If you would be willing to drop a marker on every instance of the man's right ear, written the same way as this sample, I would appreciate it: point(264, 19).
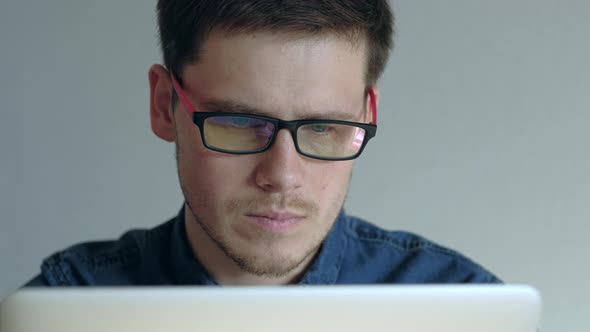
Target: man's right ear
point(161, 113)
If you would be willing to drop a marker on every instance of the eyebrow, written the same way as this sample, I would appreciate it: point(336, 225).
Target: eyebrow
point(229, 106)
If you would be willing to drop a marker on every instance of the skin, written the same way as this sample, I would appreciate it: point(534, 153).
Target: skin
point(279, 75)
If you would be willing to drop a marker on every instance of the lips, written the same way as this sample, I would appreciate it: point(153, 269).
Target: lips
point(276, 216)
point(275, 222)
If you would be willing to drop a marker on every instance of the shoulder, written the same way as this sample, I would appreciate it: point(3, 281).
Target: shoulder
point(405, 257)
point(116, 262)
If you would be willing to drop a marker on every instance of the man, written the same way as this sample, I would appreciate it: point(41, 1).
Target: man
point(267, 102)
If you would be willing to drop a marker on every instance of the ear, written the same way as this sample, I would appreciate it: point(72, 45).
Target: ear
point(161, 113)
point(369, 105)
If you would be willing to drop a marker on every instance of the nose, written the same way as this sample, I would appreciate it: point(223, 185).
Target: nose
point(281, 168)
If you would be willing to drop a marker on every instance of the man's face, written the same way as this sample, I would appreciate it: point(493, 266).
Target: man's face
point(270, 211)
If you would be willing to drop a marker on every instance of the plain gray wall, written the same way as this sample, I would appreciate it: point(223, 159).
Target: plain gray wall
point(482, 143)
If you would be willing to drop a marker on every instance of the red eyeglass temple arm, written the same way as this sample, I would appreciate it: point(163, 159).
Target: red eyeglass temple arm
point(188, 106)
point(373, 105)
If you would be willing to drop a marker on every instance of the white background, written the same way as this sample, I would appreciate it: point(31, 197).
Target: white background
point(482, 143)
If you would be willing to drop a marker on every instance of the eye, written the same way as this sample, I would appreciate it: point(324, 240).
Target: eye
point(241, 122)
point(236, 121)
point(319, 128)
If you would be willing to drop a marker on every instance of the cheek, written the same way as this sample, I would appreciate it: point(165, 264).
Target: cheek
point(215, 177)
point(202, 176)
point(334, 179)
point(201, 169)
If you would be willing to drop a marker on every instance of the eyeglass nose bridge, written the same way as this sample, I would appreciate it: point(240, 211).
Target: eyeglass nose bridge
point(290, 126)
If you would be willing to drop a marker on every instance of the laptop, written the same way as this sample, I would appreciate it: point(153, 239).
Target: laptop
point(375, 308)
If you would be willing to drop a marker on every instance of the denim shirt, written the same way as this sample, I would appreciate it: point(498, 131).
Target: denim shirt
point(354, 252)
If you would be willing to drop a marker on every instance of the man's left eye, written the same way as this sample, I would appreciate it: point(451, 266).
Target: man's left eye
point(319, 128)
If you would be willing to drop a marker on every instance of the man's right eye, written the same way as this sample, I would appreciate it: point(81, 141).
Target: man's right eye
point(240, 122)
point(235, 121)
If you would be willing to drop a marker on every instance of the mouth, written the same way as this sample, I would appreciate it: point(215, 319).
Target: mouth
point(275, 222)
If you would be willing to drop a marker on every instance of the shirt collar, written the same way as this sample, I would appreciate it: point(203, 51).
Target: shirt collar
point(187, 270)
point(326, 267)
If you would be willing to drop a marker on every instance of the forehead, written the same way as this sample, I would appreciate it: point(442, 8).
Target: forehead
point(287, 74)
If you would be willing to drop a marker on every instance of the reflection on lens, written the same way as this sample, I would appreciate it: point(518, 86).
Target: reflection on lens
point(237, 133)
point(330, 140)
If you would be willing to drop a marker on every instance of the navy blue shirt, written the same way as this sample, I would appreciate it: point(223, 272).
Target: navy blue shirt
point(354, 252)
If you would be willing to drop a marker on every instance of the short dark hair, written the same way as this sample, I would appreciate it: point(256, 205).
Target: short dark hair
point(184, 25)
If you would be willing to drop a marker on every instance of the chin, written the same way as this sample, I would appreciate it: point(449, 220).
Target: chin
point(275, 260)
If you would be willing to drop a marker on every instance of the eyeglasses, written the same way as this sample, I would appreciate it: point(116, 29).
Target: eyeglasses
point(240, 133)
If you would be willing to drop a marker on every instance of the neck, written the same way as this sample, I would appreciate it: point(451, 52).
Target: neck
point(222, 268)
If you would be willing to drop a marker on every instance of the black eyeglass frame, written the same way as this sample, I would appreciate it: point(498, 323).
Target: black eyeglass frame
point(200, 117)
